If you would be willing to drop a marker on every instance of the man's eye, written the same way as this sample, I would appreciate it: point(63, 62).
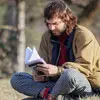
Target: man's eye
point(54, 23)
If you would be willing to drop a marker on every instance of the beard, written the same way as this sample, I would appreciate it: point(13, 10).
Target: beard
point(63, 30)
point(59, 32)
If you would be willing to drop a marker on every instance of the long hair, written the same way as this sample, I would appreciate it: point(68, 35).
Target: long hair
point(61, 9)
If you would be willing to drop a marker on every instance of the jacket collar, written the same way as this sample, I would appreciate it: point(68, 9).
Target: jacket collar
point(68, 41)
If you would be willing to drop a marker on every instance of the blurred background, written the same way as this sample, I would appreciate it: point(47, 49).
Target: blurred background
point(22, 24)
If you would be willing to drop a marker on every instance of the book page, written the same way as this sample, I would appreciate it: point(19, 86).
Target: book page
point(28, 54)
point(34, 55)
point(34, 58)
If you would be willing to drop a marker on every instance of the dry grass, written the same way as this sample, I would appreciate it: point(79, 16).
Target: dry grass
point(8, 93)
point(92, 98)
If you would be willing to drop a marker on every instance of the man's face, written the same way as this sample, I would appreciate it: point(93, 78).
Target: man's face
point(56, 26)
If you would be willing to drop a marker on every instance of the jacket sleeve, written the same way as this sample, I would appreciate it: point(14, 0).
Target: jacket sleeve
point(43, 48)
point(83, 54)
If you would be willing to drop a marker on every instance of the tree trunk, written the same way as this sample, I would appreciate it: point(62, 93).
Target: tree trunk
point(21, 27)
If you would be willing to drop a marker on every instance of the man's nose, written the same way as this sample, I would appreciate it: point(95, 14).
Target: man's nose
point(51, 27)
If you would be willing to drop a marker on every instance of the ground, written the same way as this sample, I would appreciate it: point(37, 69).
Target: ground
point(7, 92)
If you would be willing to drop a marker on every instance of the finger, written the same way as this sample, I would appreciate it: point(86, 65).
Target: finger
point(45, 71)
point(33, 73)
point(41, 69)
point(42, 65)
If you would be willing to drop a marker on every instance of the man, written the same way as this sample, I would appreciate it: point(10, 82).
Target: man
point(72, 55)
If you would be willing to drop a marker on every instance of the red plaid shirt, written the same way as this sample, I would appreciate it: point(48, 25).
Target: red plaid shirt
point(63, 50)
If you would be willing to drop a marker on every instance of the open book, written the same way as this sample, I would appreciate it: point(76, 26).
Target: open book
point(32, 57)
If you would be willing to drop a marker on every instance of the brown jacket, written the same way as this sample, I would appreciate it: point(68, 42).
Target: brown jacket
point(86, 51)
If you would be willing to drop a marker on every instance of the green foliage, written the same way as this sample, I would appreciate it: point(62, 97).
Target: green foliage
point(3, 48)
point(3, 9)
point(34, 15)
point(32, 37)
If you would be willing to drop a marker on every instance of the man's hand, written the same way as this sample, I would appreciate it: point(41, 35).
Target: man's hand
point(38, 77)
point(47, 69)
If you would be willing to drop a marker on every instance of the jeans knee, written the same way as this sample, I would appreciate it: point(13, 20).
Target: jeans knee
point(76, 78)
point(14, 80)
point(70, 73)
point(72, 76)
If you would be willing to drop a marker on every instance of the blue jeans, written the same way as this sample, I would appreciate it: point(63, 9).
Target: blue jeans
point(71, 82)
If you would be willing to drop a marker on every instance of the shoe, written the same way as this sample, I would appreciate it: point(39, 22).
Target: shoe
point(50, 97)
